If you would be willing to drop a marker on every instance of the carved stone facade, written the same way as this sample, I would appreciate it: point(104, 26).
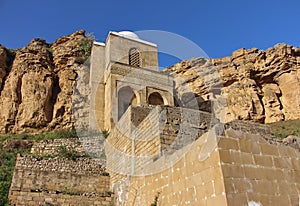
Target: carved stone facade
point(124, 72)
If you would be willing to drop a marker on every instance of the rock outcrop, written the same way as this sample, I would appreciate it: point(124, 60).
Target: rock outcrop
point(38, 87)
point(37, 92)
point(66, 59)
point(262, 86)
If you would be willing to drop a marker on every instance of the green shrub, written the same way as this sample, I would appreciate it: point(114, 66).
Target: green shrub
point(7, 164)
point(85, 45)
point(68, 153)
point(105, 133)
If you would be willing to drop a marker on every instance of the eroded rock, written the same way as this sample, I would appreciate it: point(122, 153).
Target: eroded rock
point(37, 92)
point(262, 86)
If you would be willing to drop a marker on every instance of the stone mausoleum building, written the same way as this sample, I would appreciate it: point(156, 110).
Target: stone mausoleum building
point(156, 153)
point(124, 71)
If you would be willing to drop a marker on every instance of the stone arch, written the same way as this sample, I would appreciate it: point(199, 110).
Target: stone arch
point(155, 99)
point(134, 57)
point(126, 97)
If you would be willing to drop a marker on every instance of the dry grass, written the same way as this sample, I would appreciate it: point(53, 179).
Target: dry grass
point(285, 128)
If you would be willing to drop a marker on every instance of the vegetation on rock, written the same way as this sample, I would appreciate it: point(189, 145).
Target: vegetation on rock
point(285, 128)
point(85, 45)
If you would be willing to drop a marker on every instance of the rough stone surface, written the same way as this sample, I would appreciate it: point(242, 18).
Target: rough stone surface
point(37, 92)
point(66, 59)
point(42, 179)
point(293, 141)
point(27, 91)
point(251, 84)
point(16, 144)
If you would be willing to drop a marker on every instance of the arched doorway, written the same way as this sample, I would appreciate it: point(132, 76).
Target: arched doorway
point(126, 97)
point(155, 99)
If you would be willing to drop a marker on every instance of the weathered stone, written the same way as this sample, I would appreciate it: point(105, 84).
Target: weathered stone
point(255, 85)
point(47, 73)
point(238, 53)
point(27, 90)
point(272, 104)
point(37, 92)
point(293, 141)
point(66, 50)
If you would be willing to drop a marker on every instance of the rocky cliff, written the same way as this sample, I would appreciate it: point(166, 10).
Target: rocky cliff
point(36, 87)
point(262, 86)
point(37, 84)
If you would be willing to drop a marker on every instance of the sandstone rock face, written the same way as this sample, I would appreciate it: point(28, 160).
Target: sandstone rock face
point(66, 59)
point(262, 86)
point(45, 88)
point(37, 92)
point(27, 91)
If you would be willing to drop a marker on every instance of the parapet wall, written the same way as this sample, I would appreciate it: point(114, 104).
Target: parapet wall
point(262, 130)
point(91, 144)
point(234, 169)
point(182, 178)
point(255, 170)
point(52, 147)
point(143, 134)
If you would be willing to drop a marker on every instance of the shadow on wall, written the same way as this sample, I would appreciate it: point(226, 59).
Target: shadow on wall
point(192, 101)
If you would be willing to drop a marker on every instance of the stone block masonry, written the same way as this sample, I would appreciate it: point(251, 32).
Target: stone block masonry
point(38, 180)
point(239, 165)
point(255, 170)
point(234, 170)
point(156, 130)
point(86, 144)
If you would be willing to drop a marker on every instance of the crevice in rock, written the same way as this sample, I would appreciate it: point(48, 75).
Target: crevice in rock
point(260, 98)
point(49, 105)
point(18, 90)
point(279, 95)
point(229, 82)
point(60, 112)
point(10, 57)
point(55, 91)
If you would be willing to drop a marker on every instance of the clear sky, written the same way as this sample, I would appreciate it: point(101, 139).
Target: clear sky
point(217, 26)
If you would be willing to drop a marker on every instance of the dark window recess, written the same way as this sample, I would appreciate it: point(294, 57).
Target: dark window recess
point(134, 57)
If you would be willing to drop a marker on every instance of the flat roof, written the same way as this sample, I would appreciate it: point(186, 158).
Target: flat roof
point(134, 39)
point(99, 43)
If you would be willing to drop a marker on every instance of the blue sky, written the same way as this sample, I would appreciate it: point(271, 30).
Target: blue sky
point(218, 27)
